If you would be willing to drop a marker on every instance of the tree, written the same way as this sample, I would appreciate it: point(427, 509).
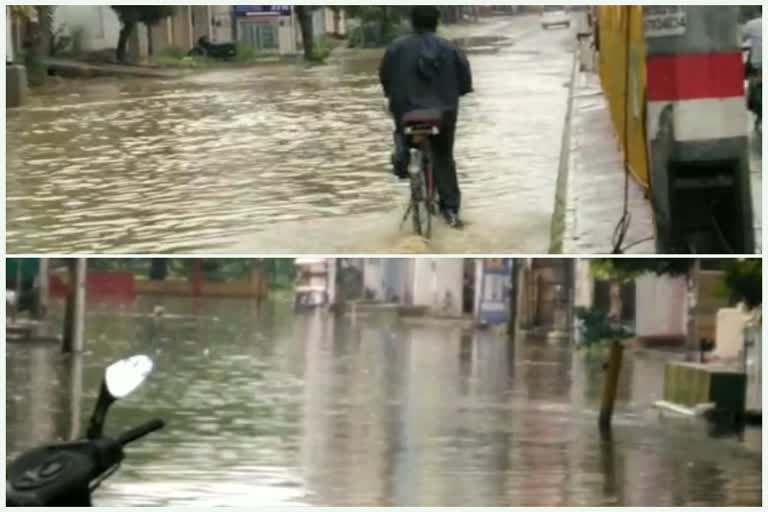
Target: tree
point(39, 35)
point(744, 280)
point(304, 16)
point(131, 15)
point(379, 24)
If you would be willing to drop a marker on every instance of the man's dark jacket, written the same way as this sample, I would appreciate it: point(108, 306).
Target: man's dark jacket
point(424, 71)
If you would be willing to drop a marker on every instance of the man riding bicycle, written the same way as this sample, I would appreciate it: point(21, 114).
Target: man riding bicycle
point(421, 71)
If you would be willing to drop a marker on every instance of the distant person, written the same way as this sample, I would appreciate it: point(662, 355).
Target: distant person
point(421, 71)
point(753, 36)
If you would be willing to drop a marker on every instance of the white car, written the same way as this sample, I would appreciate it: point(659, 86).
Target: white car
point(555, 18)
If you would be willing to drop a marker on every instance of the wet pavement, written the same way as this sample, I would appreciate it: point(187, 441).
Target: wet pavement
point(266, 407)
point(596, 181)
point(281, 159)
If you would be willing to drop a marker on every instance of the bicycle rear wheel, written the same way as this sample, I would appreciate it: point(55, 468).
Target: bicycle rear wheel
point(422, 216)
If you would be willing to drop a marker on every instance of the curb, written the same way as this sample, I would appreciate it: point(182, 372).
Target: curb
point(557, 226)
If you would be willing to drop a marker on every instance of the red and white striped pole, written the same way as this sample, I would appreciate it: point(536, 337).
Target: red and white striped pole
point(698, 129)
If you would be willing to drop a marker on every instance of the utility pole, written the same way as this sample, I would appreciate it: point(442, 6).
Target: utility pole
point(611, 385)
point(514, 291)
point(43, 290)
point(74, 322)
point(692, 343)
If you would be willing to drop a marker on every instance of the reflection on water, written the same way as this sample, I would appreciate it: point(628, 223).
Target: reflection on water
point(267, 407)
point(221, 160)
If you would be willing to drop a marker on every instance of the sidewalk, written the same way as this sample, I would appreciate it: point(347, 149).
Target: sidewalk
point(594, 188)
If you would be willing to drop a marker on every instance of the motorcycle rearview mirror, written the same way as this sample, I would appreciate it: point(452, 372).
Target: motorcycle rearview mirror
point(120, 380)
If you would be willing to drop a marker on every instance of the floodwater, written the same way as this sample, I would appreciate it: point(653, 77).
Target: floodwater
point(281, 159)
point(267, 407)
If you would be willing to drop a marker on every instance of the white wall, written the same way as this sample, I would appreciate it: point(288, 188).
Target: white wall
point(222, 24)
point(318, 21)
point(729, 337)
point(438, 284)
point(373, 278)
point(662, 306)
point(8, 36)
point(584, 287)
point(99, 22)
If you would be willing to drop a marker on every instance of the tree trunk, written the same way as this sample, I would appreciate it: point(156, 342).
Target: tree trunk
point(122, 42)
point(304, 15)
point(150, 42)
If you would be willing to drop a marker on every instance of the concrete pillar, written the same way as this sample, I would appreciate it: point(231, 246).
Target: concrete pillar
point(698, 129)
point(17, 87)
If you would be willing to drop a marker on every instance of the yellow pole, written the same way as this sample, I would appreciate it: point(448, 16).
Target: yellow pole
point(611, 384)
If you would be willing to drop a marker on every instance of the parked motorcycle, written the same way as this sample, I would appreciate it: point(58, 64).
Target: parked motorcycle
point(219, 51)
point(67, 474)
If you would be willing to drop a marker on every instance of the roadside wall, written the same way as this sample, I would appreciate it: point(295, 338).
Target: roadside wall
point(99, 24)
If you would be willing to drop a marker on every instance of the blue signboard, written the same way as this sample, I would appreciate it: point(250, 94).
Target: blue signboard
point(262, 10)
point(495, 275)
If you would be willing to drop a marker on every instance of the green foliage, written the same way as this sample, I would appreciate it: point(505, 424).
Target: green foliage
point(280, 271)
point(379, 24)
point(749, 12)
point(172, 52)
point(597, 327)
point(744, 280)
point(247, 53)
point(186, 62)
point(628, 269)
point(324, 46)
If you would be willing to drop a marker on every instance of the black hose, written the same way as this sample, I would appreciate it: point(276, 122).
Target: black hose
point(622, 227)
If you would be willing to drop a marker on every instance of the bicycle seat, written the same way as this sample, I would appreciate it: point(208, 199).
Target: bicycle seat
point(423, 118)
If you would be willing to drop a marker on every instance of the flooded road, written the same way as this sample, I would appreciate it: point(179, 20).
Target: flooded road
point(265, 407)
point(281, 159)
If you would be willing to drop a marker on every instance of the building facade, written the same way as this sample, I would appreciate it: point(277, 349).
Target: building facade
point(445, 287)
point(266, 28)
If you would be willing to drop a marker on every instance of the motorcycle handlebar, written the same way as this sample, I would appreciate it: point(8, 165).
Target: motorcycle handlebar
point(143, 430)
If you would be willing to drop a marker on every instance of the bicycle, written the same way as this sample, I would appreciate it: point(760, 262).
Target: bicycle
point(419, 127)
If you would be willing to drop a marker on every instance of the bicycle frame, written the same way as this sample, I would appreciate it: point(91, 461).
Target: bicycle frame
point(421, 174)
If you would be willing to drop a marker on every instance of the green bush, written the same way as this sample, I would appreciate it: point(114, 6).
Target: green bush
point(744, 281)
point(172, 52)
point(374, 35)
point(185, 62)
point(247, 53)
point(323, 48)
point(597, 327)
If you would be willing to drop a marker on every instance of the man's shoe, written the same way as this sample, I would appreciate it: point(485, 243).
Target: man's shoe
point(453, 220)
